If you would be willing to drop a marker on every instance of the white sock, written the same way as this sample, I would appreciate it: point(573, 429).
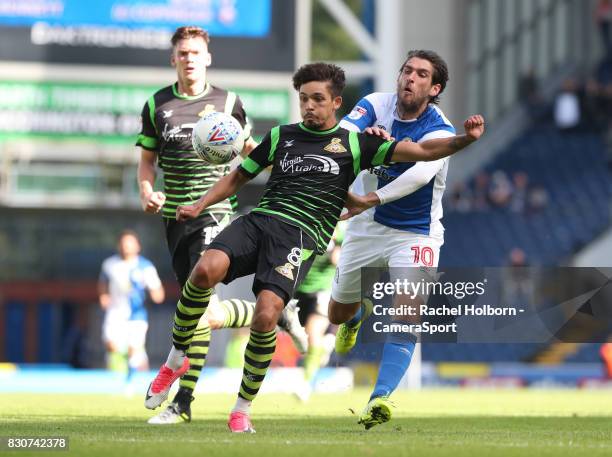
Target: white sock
point(175, 359)
point(242, 405)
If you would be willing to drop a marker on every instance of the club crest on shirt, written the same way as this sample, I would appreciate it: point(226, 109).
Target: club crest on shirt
point(207, 109)
point(285, 270)
point(335, 147)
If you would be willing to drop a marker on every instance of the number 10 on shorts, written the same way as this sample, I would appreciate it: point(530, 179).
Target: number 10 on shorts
point(423, 254)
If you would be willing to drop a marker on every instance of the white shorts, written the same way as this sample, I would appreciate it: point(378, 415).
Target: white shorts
point(370, 244)
point(124, 334)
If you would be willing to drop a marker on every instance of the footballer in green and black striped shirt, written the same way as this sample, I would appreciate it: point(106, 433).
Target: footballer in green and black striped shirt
point(168, 118)
point(313, 164)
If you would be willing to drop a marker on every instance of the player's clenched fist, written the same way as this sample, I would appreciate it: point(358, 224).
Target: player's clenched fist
point(153, 202)
point(184, 213)
point(474, 126)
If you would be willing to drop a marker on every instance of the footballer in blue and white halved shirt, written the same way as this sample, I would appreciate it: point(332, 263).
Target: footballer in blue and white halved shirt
point(402, 228)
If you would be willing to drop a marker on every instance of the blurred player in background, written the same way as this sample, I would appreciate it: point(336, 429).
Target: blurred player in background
point(404, 230)
point(168, 118)
point(126, 279)
point(313, 164)
point(312, 298)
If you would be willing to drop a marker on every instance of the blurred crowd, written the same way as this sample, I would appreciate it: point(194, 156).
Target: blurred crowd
point(498, 190)
point(582, 105)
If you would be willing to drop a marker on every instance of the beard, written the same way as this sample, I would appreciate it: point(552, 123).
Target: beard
point(414, 105)
point(313, 123)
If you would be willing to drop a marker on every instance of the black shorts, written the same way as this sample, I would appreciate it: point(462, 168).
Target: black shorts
point(307, 304)
point(279, 253)
point(310, 303)
point(187, 240)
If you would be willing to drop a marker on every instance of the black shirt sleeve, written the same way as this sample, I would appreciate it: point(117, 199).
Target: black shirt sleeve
point(259, 158)
point(148, 132)
point(374, 151)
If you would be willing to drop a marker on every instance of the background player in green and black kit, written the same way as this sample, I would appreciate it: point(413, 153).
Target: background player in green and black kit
point(313, 164)
point(312, 297)
point(167, 121)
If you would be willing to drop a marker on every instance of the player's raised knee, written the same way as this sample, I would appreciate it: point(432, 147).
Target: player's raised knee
point(210, 269)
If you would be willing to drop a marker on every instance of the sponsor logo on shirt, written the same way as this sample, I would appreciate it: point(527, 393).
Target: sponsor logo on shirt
point(176, 133)
point(382, 173)
point(309, 162)
point(357, 113)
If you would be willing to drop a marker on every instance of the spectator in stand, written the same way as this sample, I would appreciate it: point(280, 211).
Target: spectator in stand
point(529, 93)
point(517, 258)
point(460, 199)
point(567, 112)
point(500, 190)
point(520, 192)
point(538, 199)
point(481, 192)
point(518, 284)
point(603, 17)
point(595, 109)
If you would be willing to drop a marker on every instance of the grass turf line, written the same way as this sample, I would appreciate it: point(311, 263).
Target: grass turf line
point(431, 422)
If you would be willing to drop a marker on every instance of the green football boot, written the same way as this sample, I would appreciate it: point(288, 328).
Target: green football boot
point(346, 336)
point(377, 411)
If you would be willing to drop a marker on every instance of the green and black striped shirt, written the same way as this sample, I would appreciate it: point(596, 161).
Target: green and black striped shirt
point(311, 173)
point(167, 121)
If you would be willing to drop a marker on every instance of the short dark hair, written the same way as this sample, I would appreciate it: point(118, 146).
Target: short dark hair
point(128, 232)
point(189, 31)
point(320, 71)
point(440, 69)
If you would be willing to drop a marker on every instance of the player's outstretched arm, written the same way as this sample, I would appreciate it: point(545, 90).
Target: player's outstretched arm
point(249, 145)
point(442, 147)
point(224, 188)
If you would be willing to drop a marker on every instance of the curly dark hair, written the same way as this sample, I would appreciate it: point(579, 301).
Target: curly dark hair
point(440, 69)
point(189, 31)
point(321, 71)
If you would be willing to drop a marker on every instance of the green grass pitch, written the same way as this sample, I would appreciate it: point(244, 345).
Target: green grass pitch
point(448, 422)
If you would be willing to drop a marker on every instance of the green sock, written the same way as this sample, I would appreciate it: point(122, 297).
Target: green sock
point(257, 357)
point(117, 362)
point(312, 361)
point(238, 313)
point(197, 352)
point(189, 310)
